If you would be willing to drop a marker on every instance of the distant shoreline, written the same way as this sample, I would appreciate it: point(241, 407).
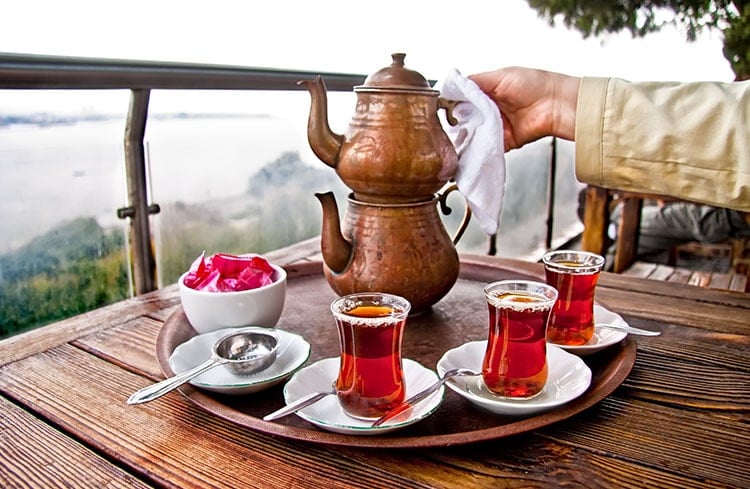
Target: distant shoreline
point(46, 119)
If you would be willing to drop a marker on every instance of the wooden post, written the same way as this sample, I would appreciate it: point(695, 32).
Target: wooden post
point(595, 220)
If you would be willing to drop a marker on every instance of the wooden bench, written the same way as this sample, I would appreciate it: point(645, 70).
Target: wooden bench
point(700, 278)
point(598, 205)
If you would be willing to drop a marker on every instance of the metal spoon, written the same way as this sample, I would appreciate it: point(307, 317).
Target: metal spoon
point(300, 403)
point(245, 352)
point(422, 395)
point(629, 329)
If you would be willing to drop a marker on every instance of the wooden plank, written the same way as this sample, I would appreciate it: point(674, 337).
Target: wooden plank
point(546, 461)
point(680, 276)
point(720, 280)
point(648, 304)
point(738, 282)
point(662, 272)
point(164, 440)
point(534, 269)
point(672, 291)
point(34, 454)
point(717, 363)
point(668, 436)
point(134, 341)
point(640, 269)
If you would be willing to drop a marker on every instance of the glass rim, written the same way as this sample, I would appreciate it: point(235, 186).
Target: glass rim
point(592, 263)
point(541, 288)
point(401, 304)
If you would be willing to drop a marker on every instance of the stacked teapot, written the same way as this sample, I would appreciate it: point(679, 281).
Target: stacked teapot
point(395, 157)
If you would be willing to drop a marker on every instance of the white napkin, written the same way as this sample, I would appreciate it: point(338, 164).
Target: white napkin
point(478, 138)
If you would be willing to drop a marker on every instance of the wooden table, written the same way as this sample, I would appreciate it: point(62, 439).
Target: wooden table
point(680, 419)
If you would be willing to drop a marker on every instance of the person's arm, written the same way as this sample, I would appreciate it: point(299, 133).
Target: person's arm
point(687, 140)
point(533, 103)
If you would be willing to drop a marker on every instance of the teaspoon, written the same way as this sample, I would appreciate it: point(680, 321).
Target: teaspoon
point(300, 403)
point(245, 352)
point(629, 329)
point(422, 395)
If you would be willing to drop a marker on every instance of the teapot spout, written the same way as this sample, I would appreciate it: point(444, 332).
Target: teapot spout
point(336, 250)
point(325, 143)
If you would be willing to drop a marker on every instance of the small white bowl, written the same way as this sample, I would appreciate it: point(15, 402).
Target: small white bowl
point(209, 311)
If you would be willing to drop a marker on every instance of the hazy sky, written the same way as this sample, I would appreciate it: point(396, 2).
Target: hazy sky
point(346, 36)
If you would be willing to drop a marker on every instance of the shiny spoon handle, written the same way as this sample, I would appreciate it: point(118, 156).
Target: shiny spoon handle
point(629, 329)
point(421, 395)
point(160, 388)
point(300, 403)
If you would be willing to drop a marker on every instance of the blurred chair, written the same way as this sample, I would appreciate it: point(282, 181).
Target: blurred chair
point(599, 203)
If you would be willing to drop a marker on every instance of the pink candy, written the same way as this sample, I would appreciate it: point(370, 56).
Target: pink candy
point(229, 273)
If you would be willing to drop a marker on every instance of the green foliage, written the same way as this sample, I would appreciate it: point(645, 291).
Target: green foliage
point(75, 267)
point(737, 44)
point(641, 17)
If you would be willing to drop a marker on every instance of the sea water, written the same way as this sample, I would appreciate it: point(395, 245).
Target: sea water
point(58, 172)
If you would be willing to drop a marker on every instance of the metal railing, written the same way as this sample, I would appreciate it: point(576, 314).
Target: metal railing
point(140, 77)
point(20, 71)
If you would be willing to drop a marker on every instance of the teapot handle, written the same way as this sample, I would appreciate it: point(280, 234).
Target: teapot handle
point(443, 199)
point(448, 105)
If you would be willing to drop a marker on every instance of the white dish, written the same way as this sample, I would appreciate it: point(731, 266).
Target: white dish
point(327, 412)
point(603, 337)
point(568, 378)
point(293, 352)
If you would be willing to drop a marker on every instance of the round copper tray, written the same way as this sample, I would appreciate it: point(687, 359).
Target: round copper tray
point(459, 317)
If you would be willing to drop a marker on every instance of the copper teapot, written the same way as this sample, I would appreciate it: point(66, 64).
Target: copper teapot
point(395, 149)
point(400, 248)
point(395, 157)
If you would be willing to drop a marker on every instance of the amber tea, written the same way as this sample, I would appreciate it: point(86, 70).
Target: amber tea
point(515, 361)
point(371, 379)
point(574, 274)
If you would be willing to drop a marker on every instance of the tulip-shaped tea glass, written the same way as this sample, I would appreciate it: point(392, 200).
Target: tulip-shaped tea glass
point(574, 274)
point(371, 378)
point(515, 361)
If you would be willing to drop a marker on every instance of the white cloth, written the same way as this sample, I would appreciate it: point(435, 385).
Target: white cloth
point(478, 138)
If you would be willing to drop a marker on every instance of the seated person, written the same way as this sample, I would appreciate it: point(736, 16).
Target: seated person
point(665, 225)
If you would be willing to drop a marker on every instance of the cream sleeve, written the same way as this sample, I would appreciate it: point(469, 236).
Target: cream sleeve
point(687, 140)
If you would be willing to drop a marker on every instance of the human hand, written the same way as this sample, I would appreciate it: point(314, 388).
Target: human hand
point(533, 103)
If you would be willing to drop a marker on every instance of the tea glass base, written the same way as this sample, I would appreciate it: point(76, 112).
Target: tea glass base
point(577, 342)
point(500, 397)
point(362, 418)
point(577, 338)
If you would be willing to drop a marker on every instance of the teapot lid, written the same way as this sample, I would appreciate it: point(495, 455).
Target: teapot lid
point(396, 77)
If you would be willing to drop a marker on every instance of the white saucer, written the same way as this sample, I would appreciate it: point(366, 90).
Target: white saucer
point(327, 412)
point(568, 378)
point(603, 337)
point(293, 352)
